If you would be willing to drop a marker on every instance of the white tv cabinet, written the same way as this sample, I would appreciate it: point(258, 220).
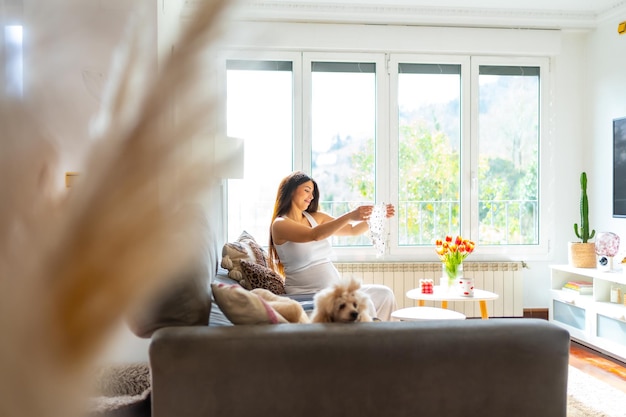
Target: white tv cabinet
point(591, 319)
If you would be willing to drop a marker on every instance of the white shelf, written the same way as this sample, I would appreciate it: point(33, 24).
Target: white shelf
point(573, 298)
point(616, 275)
point(592, 319)
point(614, 310)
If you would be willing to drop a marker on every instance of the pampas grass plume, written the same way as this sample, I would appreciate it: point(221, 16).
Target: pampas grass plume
point(71, 266)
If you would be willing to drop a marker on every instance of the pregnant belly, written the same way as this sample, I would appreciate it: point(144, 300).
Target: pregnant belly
point(312, 279)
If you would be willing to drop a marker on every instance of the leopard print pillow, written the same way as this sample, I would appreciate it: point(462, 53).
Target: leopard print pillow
point(258, 276)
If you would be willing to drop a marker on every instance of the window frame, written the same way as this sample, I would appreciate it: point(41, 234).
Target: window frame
point(387, 128)
point(354, 253)
point(427, 252)
point(260, 55)
point(545, 186)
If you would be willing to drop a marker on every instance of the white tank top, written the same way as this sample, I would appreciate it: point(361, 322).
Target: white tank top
point(307, 265)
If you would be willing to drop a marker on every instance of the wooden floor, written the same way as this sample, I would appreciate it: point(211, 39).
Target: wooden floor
point(600, 366)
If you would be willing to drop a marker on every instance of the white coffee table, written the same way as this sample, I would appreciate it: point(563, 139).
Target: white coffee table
point(443, 295)
point(426, 313)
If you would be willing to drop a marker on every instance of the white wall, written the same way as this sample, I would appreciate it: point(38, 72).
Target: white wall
point(606, 100)
point(590, 83)
point(68, 46)
point(569, 73)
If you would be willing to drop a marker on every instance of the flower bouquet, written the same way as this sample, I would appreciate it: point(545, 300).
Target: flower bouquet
point(452, 252)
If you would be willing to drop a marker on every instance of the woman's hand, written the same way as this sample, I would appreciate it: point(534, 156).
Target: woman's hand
point(391, 210)
point(365, 212)
point(361, 213)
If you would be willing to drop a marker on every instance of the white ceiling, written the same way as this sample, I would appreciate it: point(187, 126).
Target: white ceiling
point(550, 14)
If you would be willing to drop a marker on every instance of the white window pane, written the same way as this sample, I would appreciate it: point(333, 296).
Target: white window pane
point(343, 138)
point(428, 152)
point(259, 110)
point(508, 181)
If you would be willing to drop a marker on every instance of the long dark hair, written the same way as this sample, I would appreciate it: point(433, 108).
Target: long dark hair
point(287, 187)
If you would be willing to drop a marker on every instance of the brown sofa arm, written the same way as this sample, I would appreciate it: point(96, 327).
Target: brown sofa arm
point(498, 367)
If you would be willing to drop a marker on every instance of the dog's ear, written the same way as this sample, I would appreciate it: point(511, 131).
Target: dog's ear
point(324, 306)
point(338, 291)
point(328, 303)
point(354, 285)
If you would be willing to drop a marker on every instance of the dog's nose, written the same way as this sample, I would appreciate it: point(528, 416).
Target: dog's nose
point(354, 315)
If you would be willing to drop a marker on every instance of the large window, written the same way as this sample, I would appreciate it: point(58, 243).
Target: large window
point(260, 110)
point(453, 141)
point(429, 152)
point(343, 137)
point(508, 155)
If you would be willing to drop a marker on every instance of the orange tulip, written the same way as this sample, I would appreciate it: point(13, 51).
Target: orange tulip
point(452, 251)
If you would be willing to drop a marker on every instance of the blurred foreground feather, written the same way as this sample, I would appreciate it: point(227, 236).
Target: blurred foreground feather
point(70, 269)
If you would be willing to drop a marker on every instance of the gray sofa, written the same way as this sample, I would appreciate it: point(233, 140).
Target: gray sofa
point(487, 368)
point(201, 367)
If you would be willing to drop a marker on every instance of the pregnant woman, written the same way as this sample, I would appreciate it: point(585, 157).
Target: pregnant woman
point(300, 249)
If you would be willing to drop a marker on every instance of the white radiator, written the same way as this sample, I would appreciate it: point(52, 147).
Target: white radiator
point(502, 278)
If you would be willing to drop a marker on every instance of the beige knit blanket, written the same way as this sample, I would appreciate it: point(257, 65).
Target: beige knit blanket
point(120, 385)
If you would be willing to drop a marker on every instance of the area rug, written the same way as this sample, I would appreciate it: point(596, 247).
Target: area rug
point(122, 391)
point(589, 397)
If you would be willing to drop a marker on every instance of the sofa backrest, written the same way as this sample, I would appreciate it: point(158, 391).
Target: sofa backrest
point(186, 300)
point(455, 368)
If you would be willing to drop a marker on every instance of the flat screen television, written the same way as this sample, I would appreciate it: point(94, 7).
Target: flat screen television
point(619, 167)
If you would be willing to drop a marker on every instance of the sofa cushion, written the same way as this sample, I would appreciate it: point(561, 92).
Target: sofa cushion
point(185, 301)
point(218, 318)
point(244, 307)
point(259, 276)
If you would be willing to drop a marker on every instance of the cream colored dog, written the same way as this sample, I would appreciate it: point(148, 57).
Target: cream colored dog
point(344, 302)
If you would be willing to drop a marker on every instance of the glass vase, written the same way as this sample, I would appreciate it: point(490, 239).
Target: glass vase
point(450, 276)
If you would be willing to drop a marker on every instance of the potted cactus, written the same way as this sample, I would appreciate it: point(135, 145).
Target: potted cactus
point(582, 254)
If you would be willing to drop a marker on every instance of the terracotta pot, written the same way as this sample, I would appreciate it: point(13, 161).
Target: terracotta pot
point(582, 255)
